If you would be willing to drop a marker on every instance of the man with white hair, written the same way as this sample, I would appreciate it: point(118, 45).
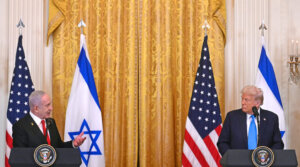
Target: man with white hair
point(38, 128)
point(240, 126)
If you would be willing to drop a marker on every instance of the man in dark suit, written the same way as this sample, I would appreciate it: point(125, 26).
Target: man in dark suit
point(235, 132)
point(38, 128)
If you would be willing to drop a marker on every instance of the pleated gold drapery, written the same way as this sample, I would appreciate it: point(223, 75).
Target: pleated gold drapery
point(144, 56)
point(171, 40)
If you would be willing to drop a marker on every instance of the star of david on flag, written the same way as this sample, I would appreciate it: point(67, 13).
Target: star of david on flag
point(84, 113)
point(93, 136)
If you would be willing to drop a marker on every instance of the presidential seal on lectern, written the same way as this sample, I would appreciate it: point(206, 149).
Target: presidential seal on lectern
point(44, 155)
point(262, 156)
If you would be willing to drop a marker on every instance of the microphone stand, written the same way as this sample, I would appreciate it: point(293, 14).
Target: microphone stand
point(256, 114)
point(258, 127)
point(48, 123)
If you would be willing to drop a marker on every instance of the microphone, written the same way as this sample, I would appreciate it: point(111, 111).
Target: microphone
point(256, 114)
point(48, 122)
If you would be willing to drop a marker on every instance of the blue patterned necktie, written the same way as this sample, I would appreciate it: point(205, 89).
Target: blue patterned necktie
point(252, 135)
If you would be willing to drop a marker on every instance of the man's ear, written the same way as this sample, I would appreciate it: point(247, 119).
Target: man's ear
point(257, 104)
point(35, 108)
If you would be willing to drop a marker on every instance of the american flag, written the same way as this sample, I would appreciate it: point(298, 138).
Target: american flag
point(20, 89)
point(204, 123)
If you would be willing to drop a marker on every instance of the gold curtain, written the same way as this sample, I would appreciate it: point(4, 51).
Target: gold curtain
point(144, 56)
point(171, 41)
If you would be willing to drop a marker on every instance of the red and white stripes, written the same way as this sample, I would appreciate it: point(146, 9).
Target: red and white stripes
point(198, 151)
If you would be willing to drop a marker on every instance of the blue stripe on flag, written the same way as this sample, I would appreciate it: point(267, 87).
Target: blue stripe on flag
point(282, 133)
point(87, 73)
point(266, 69)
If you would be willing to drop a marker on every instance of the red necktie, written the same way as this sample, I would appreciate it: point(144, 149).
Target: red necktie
point(44, 131)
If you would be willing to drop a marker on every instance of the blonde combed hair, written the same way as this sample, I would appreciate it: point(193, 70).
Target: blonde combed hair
point(254, 91)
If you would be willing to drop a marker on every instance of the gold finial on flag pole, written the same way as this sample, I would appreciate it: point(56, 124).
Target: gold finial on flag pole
point(262, 27)
point(81, 25)
point(205, 27)
point(20, 25)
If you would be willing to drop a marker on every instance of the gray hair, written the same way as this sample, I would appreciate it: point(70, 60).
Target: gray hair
point(254, 91)
point(35, 98)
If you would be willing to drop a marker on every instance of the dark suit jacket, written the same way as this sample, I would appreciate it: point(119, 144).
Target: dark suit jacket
point(26, 133)
point(234, 132)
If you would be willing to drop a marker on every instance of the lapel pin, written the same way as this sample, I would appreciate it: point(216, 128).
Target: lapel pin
point(32, 124)
point(265, 119)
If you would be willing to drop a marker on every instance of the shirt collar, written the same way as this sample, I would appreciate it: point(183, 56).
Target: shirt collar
point(36, 119)
point(249, 116)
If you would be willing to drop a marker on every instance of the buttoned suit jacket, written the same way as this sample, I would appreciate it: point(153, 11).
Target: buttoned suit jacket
point(26, 133)
point(234, 131)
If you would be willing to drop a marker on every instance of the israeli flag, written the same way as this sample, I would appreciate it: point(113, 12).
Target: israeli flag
point(266, 80)
point(84, 113)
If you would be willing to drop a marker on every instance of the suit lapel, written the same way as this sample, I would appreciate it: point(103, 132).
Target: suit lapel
point(35, 129)
point(243, 126)
point(262, 124)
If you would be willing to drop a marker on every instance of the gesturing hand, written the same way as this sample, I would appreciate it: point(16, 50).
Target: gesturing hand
point(79, 140)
